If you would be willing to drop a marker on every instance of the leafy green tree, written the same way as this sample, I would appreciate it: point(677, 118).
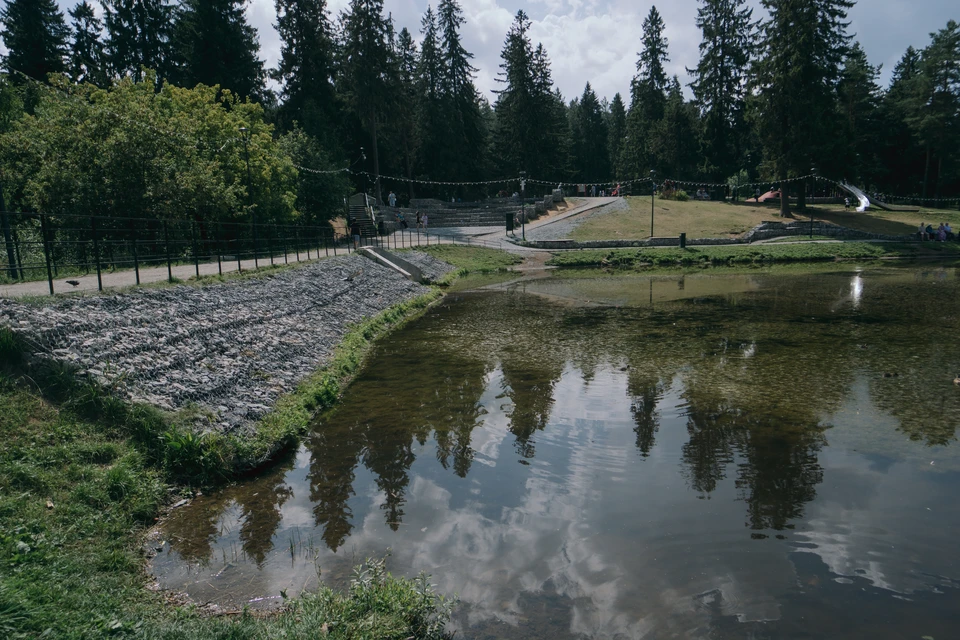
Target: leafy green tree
point(803, 43)
point(320, 187)
point(87, 57)
point(647, 96)
point(35, 35)
point(214, 45)
point(134, 150)
point(306, 70)
point(365, 67)
point(138, 36)
point(719, 85)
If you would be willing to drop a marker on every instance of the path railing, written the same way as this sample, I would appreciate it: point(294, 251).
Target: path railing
point(36, 247)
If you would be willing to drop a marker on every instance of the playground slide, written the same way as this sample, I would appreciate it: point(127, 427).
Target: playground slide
point(860, 195)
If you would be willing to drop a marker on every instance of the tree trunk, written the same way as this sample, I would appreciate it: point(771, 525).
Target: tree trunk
point(376, 159)
point(926, 172)
point(8, 239)
point(784, 200)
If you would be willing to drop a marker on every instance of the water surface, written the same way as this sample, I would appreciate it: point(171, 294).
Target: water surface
point(768, 454)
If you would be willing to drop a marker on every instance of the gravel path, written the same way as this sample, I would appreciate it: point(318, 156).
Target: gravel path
point(561, 229)
point(231, 348)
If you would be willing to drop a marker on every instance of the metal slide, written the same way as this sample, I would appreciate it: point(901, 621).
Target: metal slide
point(860, 195)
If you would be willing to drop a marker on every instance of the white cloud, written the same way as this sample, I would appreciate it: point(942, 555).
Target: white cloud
point(598, 40)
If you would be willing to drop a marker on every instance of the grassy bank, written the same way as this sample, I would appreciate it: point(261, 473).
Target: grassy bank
point(750, 254)
point(469, 259)
point(82, 475)
point(713, 219)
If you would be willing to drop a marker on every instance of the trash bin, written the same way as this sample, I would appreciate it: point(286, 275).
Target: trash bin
point(683, 241)
point(509, 219)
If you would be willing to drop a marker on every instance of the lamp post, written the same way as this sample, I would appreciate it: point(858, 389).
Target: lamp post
point(653, 190)
point(523, 212)
point(245, 134)
point(813, 173)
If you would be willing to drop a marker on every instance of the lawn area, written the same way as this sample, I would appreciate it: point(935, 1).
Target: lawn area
point(713, 219)
point(752, 254)
point(82, 477)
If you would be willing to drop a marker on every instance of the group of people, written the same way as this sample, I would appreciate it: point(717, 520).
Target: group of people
point(943, 233)
point(702, 194)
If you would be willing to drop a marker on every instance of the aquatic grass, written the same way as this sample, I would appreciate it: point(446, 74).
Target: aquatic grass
point(751, 254)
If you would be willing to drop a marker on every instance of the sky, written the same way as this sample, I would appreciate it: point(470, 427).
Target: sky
point(597, 41)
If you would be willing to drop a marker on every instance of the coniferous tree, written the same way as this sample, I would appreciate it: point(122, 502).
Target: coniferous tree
point(934, 115)
point(305, 71)
point(647, 96)
point(719, 85)
point(616, 131)
point(365, 68)
point(592, 158)
point(431, 108)
point(35, 35)
point(87, 58)
point(138, 36)
point(465, 133)
point(674, 146)
point(902, 157)
point(214, 45)
point(803, 43)
point(406, 112)
point(860, 133)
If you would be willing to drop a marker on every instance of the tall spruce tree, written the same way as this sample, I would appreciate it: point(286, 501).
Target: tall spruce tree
point(407, 104)
point(35, 35)
point(719, 85)
point(860, 132)
point(87, 57)
point(592, 157)
point(674, 146)
point(647, 96)
point(934, 116)
point(214, 45)
point(138, 36)
point(366, 67)
point(902, 157)
point(306, 70)
point(465, 132)
point(803, 43)
point(431, 108)
point(616, 131)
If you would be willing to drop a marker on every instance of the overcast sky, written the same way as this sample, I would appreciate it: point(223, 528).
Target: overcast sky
point(598, 40)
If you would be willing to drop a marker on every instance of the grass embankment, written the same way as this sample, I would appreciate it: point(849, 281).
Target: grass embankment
point(751, 254)
point(83, 474)
point(469, 259)
point(714, 219)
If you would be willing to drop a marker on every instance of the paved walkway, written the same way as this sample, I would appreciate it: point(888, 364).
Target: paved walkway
point(483, 236)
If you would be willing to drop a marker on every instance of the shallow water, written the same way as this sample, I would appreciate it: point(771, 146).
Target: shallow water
point(768, 454)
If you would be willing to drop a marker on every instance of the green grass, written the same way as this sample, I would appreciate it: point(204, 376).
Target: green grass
point(714, 219)
point(82, 475)
point(750, 254)
point(469, 259)
point(815, 237)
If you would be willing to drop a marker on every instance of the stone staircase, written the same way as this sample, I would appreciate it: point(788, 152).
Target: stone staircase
point(358, 212)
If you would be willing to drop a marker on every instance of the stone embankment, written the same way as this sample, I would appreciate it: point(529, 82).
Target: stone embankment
point(232, 349)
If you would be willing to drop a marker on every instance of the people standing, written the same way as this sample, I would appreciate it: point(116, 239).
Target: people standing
point(392, 199)
point(419, 219)
point(424, 220)
point(922, 232)
point(355, 232)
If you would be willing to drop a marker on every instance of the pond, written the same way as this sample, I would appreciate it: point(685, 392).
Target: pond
point(763, 454)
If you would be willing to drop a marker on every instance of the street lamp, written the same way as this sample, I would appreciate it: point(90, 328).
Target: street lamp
point(523, 212)
point(653, 190)
point(245, 134)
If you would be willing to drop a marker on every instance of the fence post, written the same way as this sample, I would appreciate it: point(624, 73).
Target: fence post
point(96, 250)
point(46, 249)
point(270, 242)
point(333, 241)
point(220, 248)
point(166, 244)
point(297, 240)
point(193, 243)
point(8, 242)
point(136, 257)
point(239, 268)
